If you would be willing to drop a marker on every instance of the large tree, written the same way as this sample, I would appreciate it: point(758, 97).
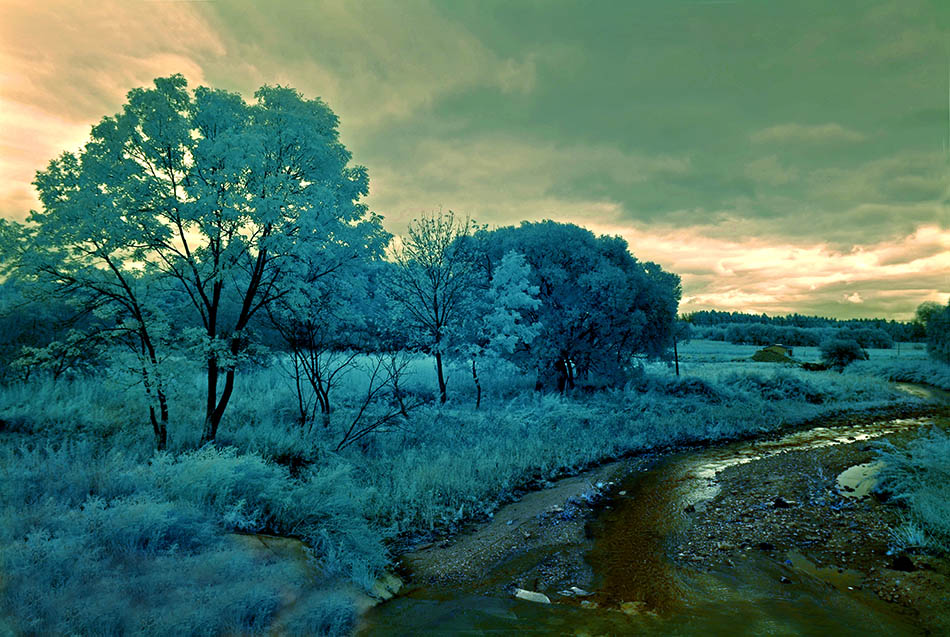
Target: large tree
point(232, 202)
point(600, 306)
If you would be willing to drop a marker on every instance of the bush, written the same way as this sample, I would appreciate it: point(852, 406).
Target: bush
point(919, 476)
point(841, 351)
point(938, 335)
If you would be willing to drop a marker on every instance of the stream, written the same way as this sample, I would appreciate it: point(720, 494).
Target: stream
point(639, 590)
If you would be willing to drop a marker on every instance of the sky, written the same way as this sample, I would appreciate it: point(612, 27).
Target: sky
point(779, 156)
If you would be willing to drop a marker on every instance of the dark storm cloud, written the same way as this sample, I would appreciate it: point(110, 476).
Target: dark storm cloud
point(760, 127)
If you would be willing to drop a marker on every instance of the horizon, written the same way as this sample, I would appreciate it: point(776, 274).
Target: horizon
point(781, 159)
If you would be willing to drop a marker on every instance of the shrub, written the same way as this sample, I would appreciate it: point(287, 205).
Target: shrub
point(841, 351)
point(919, 476)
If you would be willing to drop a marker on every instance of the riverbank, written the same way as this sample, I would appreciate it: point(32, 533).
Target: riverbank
point(792, 510)
point(545, 541)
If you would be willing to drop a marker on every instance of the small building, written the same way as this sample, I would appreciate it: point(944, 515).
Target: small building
point(778, 348)
point(774, 354)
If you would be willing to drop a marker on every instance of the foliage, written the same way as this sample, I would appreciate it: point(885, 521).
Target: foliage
point(93, 518)
point(234, 205)
point(495, 324)
point(919, 476)
point(101, 542)
point(927, 372)
point(936, 321)
point(600, 306)
point(715, 321)
point(841, 351)
point(754, 333)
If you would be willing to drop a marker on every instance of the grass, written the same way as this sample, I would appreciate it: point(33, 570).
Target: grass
point(91, 514)
point(918, 476)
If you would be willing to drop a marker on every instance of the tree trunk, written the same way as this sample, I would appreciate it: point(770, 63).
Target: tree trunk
point(159, 425)
point(478, 386)
point(210, 427)
point(211, 423)
point(676, 356)
point(561, 368)
point(438, 368)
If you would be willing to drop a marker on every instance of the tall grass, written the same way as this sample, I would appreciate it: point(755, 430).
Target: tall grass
point(919, 476)
point(925, 371)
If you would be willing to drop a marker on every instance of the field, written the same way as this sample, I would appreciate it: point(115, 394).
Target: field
point(101, 534)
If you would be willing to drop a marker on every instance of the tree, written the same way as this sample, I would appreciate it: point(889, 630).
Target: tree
point(325, 328)
point(840, 351)
point(495, 322)
point(229, 201)
point(599, 305)
point(935, 320)
point(435, 271)
point(682, 333)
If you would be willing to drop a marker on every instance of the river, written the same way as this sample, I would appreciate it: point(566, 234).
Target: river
point(639, 588)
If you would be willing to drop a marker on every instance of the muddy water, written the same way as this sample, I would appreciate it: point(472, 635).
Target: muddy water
point(641, 591)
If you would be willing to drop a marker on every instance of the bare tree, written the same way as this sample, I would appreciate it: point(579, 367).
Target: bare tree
point(435, 270)
point(384, 371)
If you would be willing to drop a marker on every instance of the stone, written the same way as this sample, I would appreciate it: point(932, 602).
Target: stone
point(632, 608)
point(532, 596)
point(386, 586)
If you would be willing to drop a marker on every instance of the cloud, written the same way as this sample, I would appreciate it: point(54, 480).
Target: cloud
point(754, 275)
point(761, 193)
point(502, 180)
point(374, 63)
point(68, 64)
point(806, 134)
point(769, 171)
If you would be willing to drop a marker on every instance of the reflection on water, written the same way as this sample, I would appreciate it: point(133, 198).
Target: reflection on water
point(755, 596)
point(857, 481)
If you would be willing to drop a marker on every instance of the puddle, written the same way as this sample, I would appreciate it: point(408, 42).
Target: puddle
point(842, 579)
point(857, 481)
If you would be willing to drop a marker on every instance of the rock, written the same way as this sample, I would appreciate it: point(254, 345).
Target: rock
point(588, 604)
point(532, 596)
point(621, 493)
point(632, 608)
point(580, 592)
point(386, 586)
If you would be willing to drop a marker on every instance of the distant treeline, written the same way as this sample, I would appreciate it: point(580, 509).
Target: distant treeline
point(798, 329)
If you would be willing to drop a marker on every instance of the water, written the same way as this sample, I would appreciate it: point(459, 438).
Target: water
point(640, 591)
